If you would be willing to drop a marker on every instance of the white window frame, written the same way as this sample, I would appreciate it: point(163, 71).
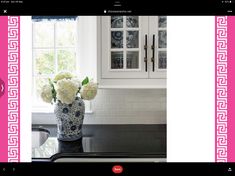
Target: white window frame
point(47, 110)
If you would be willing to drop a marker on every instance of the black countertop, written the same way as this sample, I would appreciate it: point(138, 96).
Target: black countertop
point(120, 141)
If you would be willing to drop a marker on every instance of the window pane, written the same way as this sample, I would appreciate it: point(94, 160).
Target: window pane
point(132, 61)
point(43, 34)
point(66, 60)
point(117, 60)
point(116, 39)
point(39, 83)
point(162, 60)
point(116, 21)
point(162, 39)
point(44, 61)
point(65, 33)
point(132, 21)
point(132, 39)
point(162, 21)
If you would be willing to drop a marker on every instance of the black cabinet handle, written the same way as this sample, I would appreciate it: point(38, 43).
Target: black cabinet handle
point(153, 50)
point(146, 53)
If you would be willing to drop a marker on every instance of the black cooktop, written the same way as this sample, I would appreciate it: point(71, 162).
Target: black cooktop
point(129, 141)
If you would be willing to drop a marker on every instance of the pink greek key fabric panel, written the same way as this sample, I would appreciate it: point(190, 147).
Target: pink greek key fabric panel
point(4, 88)
point(221, 98)
point(13, 89)
point(231, 89)
point(9, 89)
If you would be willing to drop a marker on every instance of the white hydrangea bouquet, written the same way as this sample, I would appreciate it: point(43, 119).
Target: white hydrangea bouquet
point(65, 87)
point(67, 92)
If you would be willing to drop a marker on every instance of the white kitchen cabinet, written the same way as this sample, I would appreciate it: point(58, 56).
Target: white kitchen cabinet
point(132, 51)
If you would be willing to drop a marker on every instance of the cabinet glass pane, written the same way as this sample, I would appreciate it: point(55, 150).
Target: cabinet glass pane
point(132, 39)
point(162, 60)
point(116, 39)
point(132, 61)
point(162, 39)
point(116, 21)
point(116, 60)
point(132, 21)
point(162, 22)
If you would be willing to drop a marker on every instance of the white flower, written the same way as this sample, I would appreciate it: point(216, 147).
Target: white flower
point(62, 75)
point(77, 82)
point(89, 91)
point(46, 93)
point(66, 90)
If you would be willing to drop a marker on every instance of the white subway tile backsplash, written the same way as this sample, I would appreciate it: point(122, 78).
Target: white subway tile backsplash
point(132, 104)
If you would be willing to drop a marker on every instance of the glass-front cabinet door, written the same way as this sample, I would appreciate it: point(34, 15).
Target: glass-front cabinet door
point(123, 46)
point(134, 47)
point(158, 52)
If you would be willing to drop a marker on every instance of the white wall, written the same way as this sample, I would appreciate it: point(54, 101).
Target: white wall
point(87, 47)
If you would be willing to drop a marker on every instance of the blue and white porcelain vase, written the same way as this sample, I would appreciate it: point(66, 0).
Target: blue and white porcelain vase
point(69, 119)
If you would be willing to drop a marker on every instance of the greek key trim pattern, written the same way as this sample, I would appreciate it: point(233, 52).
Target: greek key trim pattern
point(221, 89)
point(13, 89)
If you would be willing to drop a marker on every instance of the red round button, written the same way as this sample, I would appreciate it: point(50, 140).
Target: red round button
point(117, 169)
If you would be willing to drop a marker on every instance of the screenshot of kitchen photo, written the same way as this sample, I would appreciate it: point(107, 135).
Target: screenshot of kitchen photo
point(99, 88)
